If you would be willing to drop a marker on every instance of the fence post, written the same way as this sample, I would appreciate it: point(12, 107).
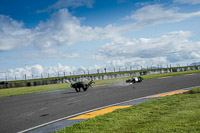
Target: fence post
point(170, 68)
point(88, 71)
point(25, 76)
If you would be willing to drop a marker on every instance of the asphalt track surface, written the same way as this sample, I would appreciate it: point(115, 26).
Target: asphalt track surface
point(19, 113)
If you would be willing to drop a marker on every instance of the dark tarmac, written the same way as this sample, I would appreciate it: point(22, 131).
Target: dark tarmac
point(19, 113)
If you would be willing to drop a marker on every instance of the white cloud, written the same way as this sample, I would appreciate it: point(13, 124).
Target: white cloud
point(65, 29)
point(156, 14)
point(67, 4)
point(12, 34)
point(135, 63)
point(52, 71)
point(20, 73)
point(36, 71)
point(61, 29)
point(46, 53)
point(173, 47)
point(52, 53)
point(187, 1)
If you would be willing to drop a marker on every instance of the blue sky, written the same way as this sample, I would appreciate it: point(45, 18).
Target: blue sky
point(52, 36)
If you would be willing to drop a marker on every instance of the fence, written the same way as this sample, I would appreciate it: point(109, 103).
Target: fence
point(28, 76)
point(96, 76)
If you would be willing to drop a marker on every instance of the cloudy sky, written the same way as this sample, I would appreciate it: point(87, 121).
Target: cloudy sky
point(52, 36)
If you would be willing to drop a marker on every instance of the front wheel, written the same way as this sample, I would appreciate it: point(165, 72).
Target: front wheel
point(85, 89)
point(140, 79)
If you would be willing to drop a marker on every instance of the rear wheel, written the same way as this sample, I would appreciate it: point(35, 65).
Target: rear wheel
point(77, 89)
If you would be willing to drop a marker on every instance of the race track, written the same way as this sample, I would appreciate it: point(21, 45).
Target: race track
point(18, 113)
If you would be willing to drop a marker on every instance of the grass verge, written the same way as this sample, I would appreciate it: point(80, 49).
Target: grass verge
point(42, 88)
point(177, 113)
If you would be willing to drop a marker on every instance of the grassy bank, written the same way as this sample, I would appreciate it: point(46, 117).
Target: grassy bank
point(178, 113)
point(42, 88)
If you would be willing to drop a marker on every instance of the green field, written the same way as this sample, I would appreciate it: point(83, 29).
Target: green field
point(170, 114)
point(43, 88)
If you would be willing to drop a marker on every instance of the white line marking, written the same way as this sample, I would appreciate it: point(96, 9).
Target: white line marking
point(95, 110)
